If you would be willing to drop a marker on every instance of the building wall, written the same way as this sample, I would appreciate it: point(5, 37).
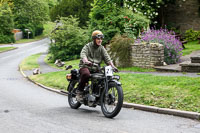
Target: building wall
point(184, 14)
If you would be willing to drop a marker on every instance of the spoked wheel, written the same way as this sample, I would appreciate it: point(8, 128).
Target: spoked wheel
point(111, 102)
point(74, 104)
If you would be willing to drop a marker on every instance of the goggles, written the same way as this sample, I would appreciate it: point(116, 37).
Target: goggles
point(99, 36)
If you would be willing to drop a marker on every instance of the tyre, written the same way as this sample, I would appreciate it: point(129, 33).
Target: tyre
point(73, 103)
point(111, 103)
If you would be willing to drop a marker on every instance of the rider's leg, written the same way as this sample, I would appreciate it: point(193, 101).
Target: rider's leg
point(84, 77)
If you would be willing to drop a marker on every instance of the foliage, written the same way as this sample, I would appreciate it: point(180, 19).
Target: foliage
point(149, 8)
point(51, 3)
point(9, 2)
point(69, 39)
point(28, 14)
point(111, 19)
point(78, 8)
point(172, 46)
point(191, 35)
point(7, 24)
point(120, 50)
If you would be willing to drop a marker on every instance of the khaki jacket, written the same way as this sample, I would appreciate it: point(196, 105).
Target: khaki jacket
point(95, 54)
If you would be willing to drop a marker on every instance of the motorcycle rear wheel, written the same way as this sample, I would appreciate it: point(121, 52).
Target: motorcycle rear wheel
point(111, 103)
point(73, 103)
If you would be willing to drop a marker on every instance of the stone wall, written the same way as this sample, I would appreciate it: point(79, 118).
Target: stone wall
point(184, 14)
point(147, 55)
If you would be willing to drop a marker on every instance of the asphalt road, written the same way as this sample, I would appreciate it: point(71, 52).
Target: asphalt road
point(28, 108)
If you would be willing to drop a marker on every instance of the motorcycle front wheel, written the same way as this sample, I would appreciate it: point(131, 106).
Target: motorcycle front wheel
point(73, 103)
point(112, 101)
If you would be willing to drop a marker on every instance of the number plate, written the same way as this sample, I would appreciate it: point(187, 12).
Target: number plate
point(108, 71)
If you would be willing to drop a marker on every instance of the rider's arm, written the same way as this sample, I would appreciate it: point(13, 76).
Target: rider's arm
point(84, 53)
point(108, 60)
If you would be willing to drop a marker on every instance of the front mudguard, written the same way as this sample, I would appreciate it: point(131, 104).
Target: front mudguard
point(115, 81)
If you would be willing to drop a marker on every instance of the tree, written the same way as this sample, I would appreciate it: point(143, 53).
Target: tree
point(30, 14)
point(78, 8)
point(7, 24)
point(69, 39)
point(111, 17)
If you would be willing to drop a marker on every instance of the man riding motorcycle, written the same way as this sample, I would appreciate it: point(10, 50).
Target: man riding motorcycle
point(92, 52)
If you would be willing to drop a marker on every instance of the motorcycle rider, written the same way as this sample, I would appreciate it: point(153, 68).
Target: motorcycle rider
point(93, 52)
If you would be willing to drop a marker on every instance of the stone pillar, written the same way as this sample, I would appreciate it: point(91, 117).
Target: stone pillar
point(147, 55)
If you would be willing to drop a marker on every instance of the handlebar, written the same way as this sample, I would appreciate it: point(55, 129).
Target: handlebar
point(98, 67)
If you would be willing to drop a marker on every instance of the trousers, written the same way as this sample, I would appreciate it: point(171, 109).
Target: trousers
point(84, 78)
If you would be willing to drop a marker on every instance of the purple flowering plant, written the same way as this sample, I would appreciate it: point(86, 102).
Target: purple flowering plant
point(172, 46)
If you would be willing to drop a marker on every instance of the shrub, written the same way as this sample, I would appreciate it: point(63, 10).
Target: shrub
point(69, 39)
point(120, 50)
point(112, 19)
point(6, 24)
point(191, 35)
point(31, 29)
point(79, 8)
point(39, 29)
point(30, 14)
point(172, 46)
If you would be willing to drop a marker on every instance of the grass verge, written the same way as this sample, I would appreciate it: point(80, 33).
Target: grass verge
point(75, 64)
point(181, 93)
point(190, 47)
point(30, 62)
point(4, 49)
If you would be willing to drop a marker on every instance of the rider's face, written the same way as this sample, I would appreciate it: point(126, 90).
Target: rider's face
point(98, 41)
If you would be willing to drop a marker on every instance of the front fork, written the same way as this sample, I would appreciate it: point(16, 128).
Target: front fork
point(106, 86)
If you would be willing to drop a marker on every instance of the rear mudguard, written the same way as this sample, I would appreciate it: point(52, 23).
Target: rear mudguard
point(71, 84)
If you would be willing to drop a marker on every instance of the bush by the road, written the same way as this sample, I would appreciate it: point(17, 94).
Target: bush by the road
point(67, 39)
point(30, 14)
point(6, 24)
point(112, 19)
point(78, 8)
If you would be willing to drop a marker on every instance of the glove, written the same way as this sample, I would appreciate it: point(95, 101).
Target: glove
point(115, 69)
point(88, 63)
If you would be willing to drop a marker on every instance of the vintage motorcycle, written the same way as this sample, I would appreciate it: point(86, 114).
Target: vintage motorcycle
point(103, 89)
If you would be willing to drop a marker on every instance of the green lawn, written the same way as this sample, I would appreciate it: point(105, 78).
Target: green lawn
point(75, 63)
point(181, 93)
point(3, 49)
point(190, 47)
point(30, 62)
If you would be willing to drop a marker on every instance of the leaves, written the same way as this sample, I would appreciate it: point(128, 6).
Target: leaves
point(69, 39)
